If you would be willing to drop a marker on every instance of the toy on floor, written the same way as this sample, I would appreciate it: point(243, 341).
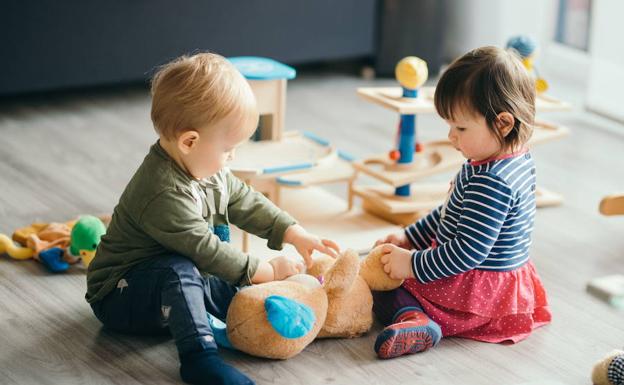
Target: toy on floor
point(279, 319)
point(610, 288)
point(526, 48)
point(609, 370)
point(56, 245)
point(275, 159)
point(612, 205)
point(16, 252)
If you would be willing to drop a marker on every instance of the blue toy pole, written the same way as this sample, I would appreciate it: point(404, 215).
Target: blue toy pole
point(407, 140)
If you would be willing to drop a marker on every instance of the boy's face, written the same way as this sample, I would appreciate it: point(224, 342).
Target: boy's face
point(216, 146)
point(470, 134)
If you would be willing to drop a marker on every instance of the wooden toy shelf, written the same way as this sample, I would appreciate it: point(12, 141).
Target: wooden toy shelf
point(436, 157)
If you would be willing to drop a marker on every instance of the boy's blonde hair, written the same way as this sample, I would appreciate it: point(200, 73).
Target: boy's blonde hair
point(488, 81)
point(193, 92)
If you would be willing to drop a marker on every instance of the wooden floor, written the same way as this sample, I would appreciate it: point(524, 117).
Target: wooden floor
point(69, 154)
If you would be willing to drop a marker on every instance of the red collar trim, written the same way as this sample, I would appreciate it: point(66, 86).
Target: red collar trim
point(506, 156)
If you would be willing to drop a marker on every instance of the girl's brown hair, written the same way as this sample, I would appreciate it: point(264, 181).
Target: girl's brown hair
point(488, 81)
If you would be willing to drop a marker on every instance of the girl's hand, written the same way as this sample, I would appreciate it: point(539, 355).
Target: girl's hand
point(284, 268)
point(398, 239)
point(306, 243)
point(397, 262)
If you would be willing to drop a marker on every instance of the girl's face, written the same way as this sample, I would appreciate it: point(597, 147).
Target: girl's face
point(470, 134)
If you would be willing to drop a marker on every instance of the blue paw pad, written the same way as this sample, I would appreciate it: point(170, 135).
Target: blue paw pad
point(288, 317)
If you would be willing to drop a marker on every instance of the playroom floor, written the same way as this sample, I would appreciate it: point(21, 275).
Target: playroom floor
point(67, 154)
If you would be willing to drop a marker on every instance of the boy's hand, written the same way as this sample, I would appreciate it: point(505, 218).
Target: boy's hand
point(306, 243)
point(284, 268)
point(399, 239)
point(397, 262)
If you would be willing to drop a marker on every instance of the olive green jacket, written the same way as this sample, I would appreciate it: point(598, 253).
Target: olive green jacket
point(165, 211)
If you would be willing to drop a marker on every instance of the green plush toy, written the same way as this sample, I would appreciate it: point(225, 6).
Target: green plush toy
point(85, 237)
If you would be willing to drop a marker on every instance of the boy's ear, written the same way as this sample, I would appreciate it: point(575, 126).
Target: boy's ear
point(504, 123)
point(187, 141)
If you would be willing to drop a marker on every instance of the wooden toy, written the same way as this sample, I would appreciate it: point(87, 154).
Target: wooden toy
point(276, 159)
point(412, 161)
point(610, 369)
point(612, 205)
point(609, 289)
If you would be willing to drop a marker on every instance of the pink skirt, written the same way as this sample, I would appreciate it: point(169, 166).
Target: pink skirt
point(485, 305)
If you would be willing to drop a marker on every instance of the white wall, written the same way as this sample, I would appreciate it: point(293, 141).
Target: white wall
point(605, 93)
point(475, 23)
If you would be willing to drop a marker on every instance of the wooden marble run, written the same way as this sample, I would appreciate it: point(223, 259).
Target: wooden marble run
point(277, 159)
point(402, 201)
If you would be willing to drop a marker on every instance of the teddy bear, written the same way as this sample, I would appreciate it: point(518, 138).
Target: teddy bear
point(333, 300)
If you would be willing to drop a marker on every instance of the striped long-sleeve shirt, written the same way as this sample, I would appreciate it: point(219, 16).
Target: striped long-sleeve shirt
point(486, 222)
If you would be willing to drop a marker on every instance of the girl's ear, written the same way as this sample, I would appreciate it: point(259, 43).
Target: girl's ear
point(187, 141)
point(504, 123)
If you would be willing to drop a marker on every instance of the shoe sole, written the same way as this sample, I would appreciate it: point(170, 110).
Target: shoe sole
point(406, 340)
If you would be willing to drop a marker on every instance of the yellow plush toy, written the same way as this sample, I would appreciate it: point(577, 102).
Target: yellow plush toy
point(279, 319)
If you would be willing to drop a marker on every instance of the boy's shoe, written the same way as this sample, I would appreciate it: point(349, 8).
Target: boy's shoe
point(208, 368)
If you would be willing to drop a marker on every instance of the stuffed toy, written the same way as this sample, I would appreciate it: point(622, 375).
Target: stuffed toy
point(56, 245)
point(279, 319)
point(609, 370)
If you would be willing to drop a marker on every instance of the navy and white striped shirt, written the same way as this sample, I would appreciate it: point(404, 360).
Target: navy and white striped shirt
point(485, 224)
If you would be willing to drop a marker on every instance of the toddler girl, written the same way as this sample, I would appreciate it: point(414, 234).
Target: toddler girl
point(467, 263)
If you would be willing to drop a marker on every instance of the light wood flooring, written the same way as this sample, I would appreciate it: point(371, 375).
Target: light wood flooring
point(66, 154)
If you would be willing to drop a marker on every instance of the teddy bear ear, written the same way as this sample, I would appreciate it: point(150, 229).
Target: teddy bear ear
point(340, 277)
point(289, 318)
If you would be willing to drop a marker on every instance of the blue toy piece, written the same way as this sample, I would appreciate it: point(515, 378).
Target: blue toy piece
point(411, 72)
point(262, 68)
point(524, 45)
point(288, 317)
point(407, 138)
point(53, 260)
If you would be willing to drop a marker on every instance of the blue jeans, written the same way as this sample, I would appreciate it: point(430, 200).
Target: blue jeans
point(167, 295)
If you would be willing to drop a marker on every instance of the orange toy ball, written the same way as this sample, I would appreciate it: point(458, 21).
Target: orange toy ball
point(419, 147)
point(394, 154)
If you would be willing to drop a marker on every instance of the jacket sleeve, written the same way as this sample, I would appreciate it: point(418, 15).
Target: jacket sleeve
point(172, 219)
point(254, 213)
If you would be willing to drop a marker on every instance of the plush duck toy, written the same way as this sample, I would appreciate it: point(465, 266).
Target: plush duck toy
point(83, 240)
point(279, 319)
point(56, 245)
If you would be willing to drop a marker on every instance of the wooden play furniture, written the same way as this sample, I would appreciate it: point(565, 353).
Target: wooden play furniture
point(612, 205)
point(275, 159)
point(399, 171)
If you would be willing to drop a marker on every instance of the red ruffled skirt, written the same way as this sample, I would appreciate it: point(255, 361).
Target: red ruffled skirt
point(485, 305)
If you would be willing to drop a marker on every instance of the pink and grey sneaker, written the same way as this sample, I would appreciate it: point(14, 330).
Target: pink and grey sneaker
point(412, 332)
